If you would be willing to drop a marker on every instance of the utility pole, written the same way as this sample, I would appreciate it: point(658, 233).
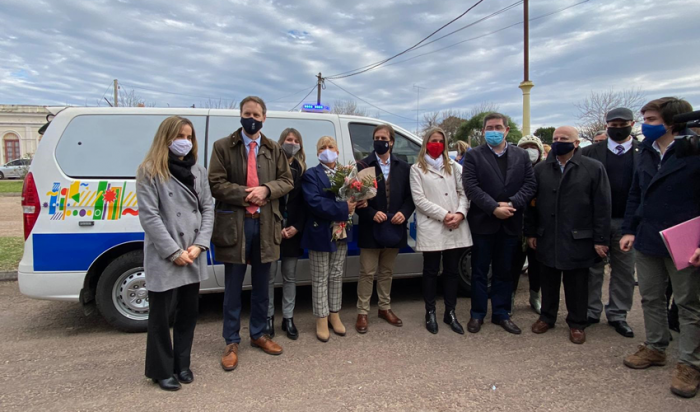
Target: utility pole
point(415, 86)
point(320, 85)
point(526, 85)
point(116, 92)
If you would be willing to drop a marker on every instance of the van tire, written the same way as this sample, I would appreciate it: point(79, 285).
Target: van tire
point(128, 270)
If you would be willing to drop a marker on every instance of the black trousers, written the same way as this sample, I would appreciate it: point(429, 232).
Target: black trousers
point(533, 268)
point(575, 293)
point(162, 359)
point(450, 277)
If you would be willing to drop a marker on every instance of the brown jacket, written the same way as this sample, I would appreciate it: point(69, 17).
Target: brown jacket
point(227, 178)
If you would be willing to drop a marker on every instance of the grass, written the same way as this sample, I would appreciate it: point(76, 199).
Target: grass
point(11, 186)
point(12, 249)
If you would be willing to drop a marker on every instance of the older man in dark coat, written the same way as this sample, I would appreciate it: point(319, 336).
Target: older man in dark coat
point(569, 226)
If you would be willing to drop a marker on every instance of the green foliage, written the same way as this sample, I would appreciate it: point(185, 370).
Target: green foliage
point(472, 129)
point(11, 186)
point(545, 134)
point(12, 249)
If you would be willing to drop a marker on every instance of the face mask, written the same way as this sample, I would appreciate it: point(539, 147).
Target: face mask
point(328, 156)
point(180, 147)
point(291, 149)
point(534, 155)
point(251, 126)
point(652, 133)
point(435, 149)
point(619, 134)
point(381, 147)
point(562, 148)
point(493, 137)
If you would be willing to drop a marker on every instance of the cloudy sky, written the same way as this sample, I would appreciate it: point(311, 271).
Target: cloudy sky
point(180, 53)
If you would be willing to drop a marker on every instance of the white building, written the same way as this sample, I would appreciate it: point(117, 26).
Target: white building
point(19, 130)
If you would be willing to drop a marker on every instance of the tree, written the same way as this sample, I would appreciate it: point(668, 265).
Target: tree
point(128, 99)
point(470, 130)
point(349, 107)
point(593, 109)
point(545, 134)
point(448, 120)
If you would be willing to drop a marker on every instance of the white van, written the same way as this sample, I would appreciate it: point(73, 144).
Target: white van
point(84, 242)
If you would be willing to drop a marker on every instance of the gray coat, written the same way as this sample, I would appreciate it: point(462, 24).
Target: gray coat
point(173, 219)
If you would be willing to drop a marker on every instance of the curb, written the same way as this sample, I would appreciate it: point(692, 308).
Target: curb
point(8, 276)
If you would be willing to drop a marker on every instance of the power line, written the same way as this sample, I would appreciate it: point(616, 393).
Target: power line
point(336, 77)
point(177, 94)
point(106, 90)
point(292, 94)
point(302, 100)
point(366, 102)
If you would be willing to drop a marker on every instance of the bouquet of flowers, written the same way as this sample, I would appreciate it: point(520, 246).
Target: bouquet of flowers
point(349, 184)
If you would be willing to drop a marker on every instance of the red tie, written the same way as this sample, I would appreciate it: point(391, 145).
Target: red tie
point(252, 179)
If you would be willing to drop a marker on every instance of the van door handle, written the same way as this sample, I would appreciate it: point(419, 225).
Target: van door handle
point(86, 223)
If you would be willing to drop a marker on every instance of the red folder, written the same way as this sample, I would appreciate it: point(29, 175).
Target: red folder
point(681, 241)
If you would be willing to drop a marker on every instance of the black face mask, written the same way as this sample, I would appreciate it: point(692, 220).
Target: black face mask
point(562, 148)
point(381, 146)
point(619, 134)
point(251, 126)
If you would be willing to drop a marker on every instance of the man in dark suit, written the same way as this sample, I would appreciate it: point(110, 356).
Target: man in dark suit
point(499, 181)
point(620, 155)
point(382, 226)
point(569, 227)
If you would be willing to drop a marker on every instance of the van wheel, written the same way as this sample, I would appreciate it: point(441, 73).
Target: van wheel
point(121, 296)
point(465, 273)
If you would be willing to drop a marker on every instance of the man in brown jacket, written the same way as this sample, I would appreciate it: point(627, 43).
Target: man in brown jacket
point(248, 173)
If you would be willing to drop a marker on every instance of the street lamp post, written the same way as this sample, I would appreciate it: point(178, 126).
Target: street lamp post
point(526, 85)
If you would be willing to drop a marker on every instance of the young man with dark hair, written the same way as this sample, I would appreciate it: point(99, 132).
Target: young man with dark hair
point(665, 192)
point(382, 226)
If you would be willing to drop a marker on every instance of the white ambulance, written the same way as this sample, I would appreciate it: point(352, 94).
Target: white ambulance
point(84, 242)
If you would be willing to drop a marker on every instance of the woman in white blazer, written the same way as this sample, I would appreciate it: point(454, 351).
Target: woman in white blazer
point(443, 232)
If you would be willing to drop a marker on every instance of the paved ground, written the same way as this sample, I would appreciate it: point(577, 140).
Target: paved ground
point(11, 216)
point(55, 358)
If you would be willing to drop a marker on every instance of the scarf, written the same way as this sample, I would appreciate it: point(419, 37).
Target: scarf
point(182, 169)
point(434, 163)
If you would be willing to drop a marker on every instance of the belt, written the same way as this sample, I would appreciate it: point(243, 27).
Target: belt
point(255, 215)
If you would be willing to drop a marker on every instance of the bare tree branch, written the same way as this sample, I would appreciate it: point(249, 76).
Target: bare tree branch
point(593, 109)
point(349, 107)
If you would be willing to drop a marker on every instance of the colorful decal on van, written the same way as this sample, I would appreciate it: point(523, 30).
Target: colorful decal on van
point(109, 201)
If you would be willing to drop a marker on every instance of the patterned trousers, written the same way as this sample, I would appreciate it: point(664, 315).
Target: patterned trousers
point(327, 269)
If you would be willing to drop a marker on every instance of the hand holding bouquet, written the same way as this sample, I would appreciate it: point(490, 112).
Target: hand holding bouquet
point(349, 185)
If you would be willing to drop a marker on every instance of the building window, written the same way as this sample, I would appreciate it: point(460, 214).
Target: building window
point(11, 147)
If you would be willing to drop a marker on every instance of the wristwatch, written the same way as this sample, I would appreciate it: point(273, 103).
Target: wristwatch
point(510, 204)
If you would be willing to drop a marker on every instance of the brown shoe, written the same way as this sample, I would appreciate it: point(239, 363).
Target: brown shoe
point(644, 358)
point(541, 326)
point(390, 317)
point(361, 324)
point(267, 345)
point(230, 359)
point(685, 380)
point(577, 336)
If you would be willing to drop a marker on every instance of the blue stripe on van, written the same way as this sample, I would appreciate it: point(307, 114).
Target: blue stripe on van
point(75, 252)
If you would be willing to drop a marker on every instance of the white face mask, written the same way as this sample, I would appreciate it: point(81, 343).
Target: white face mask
point(180, 147)
point(534, 154)
point(328, 156)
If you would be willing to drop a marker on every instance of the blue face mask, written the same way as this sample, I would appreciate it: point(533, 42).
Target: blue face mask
point(652, 133)
point(493, 137)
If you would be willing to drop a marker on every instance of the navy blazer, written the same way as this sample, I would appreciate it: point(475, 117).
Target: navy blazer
point(483, 183)
point(661, 197)
point(323, 211)
point(401, 199)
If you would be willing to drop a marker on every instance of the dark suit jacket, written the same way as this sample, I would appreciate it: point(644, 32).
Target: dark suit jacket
point(599, 152)
point(293, 209)
point(400, 201)
point(323, 211)
point(661, 197)
point(483, 182)
point(570, 213)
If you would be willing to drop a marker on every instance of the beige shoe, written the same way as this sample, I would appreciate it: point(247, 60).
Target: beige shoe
point(322, 332)
point(644, 358)
point(685, 380)
point(336, 325)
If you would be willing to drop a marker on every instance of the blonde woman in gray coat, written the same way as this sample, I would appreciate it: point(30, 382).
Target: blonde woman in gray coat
point(176, 211)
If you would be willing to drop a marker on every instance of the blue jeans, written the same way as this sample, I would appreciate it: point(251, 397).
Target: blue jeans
point(235, 274)
point(496, 251)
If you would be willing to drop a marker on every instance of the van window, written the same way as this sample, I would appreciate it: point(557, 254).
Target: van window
point(311, 130)
point(113, 146)
point(362, 143)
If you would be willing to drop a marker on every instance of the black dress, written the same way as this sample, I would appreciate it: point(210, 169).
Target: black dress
point(293, 209)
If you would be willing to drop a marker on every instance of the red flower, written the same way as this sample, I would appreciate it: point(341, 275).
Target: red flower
point(375, 183)
point(357, 185)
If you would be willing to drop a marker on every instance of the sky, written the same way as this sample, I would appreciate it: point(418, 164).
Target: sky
point(179, 53)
